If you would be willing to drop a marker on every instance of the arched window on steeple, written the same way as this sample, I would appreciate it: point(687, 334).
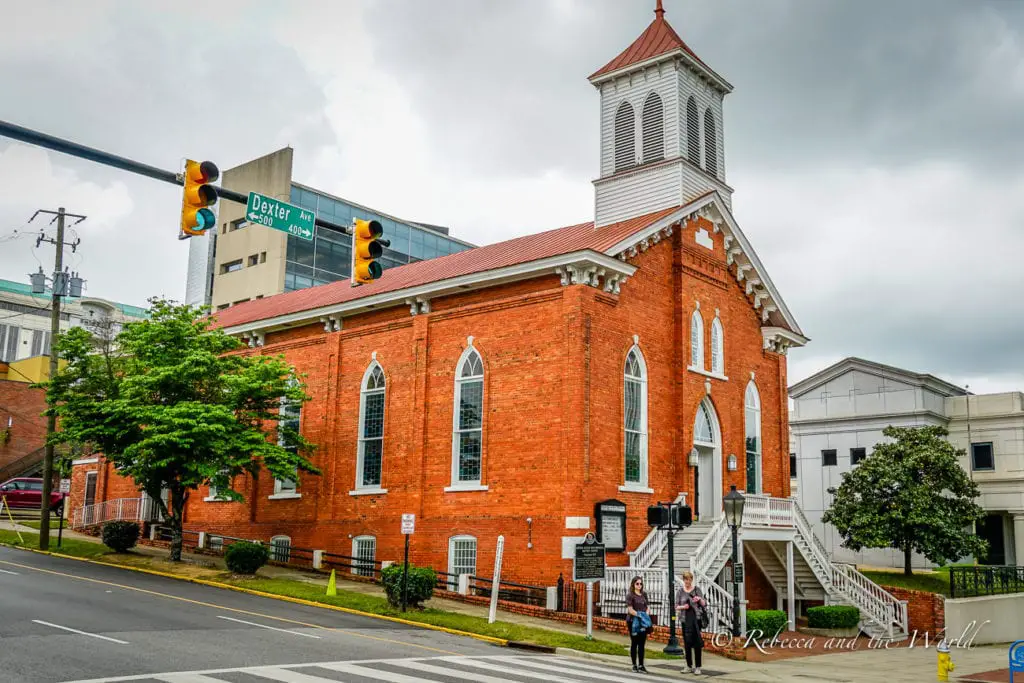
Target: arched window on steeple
point(697, 340)
point(625, 137)
point(653, 128)
point(692, 132)
point(710, 143)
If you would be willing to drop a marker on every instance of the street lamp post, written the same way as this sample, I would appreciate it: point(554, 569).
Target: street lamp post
point(733, 504)
point(670, 517)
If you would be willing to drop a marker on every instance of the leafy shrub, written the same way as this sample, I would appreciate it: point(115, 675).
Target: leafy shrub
point(121, 535)
point(768, 621)
point(833, 616)
point(420, 587)
point(245, 557)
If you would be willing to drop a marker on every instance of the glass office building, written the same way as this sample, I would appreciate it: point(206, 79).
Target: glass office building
point(329, 256)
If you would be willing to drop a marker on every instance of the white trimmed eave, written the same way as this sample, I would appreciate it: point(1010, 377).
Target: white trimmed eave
point(889, 372)
point(749, 270)
point(678, 53)
point(578, 267)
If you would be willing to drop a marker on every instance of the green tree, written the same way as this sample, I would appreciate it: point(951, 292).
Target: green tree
point(172, 406)
point(910, 494)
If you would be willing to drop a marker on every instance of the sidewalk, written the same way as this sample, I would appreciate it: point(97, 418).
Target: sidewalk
point(895, 665)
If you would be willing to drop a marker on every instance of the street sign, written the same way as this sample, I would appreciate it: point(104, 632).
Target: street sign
point(737, 573)
point(65, 486)
point(279, 215)
point(408, 523)
point(1016, 659)
point(588, 561)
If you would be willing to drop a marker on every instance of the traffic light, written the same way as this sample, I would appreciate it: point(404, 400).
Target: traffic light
point(682, 516)
point(367, 248)
point(657, 515)
point(199, 194)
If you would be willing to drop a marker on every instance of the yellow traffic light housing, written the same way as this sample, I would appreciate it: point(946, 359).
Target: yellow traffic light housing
point(366, 249)
point(199, 194)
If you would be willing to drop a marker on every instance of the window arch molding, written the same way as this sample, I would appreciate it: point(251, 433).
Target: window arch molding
point(364, 552)
point(280, 548)
point(752, 436)
point(652, 128)
point(625, 136)
point(370, 435)
point(468, 421)
point(634, 419)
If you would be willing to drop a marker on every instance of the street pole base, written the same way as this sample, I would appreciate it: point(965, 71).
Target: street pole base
point(588, 637)
point(673, 648)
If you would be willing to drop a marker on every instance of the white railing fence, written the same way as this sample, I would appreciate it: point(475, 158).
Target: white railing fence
point(766, 511)
point(612, 591)
point(141, 509)
point(706, 554)
point(653, 544)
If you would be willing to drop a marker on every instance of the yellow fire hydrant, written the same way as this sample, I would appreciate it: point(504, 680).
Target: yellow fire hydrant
point(945, 662)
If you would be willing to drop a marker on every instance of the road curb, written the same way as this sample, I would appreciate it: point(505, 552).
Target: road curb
point(284, 598)
point(533, 647)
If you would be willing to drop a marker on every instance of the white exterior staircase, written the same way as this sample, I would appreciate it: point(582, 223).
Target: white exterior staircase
point(769, 524)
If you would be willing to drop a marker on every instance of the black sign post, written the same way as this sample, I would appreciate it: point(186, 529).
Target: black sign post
point(671, 517)
point(588, 567)
point(610, 516)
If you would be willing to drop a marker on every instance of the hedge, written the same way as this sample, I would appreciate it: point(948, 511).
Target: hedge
point(246, 557)
point(833, 616)
point(120, 535)
point(420, 586)
point(769, 622)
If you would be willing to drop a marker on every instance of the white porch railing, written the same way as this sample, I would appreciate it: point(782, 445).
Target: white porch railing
point(707, 553)
point(141, 509)
point(651, 547)
point(765, 511)
point(615, 587)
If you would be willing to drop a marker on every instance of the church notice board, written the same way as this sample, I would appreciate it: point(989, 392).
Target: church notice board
point(588, 561)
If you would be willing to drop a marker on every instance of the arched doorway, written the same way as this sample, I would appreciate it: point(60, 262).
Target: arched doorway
point(707, 439)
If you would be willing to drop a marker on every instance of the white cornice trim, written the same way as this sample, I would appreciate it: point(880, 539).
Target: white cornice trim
point(582, 260)
point(85, 461)
point(672, 55)
point(840, 368)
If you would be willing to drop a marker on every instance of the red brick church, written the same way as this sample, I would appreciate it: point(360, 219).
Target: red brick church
point(513, 388)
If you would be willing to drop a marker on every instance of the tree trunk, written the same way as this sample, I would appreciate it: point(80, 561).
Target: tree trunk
point(176, 519)
point(907, 569)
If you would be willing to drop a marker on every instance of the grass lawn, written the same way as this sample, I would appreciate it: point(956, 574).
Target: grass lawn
point(931, 582)
point(358, 601)
point(68, 547)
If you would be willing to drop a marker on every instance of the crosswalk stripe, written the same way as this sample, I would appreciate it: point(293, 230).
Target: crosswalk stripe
point(559, 666)
point(376, 674)
point(431, 669)
point(284, 675)
point(185, 678)
point(481, 664)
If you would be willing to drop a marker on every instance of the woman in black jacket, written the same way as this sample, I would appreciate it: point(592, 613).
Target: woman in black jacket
point(691, 603)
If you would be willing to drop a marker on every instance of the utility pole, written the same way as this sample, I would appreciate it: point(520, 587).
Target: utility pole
point(61, 287)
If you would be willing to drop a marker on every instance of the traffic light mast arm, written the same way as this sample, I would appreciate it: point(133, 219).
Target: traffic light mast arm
point(74, 149)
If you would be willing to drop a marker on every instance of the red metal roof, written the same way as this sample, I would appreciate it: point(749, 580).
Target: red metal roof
point(658, 39)
point(502, 254)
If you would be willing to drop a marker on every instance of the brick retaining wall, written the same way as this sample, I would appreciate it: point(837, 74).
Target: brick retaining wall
point(926, 611)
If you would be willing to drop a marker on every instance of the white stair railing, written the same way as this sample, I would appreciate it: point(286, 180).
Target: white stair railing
point(707, 553)
point(651, 547)
point(138, 509)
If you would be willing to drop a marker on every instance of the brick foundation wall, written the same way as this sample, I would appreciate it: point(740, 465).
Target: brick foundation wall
point(926, 612)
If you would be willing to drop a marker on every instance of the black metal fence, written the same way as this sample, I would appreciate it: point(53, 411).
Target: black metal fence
point(571, 596)
point(355, 566)
point(969, 582)
point(512, 592)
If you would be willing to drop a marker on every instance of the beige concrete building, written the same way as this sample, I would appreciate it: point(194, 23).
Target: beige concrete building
point(243, 261)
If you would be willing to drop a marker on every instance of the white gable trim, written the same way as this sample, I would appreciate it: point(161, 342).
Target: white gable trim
point(738, 251)
point(578, 267)
point(673, 55)
point(852, 364)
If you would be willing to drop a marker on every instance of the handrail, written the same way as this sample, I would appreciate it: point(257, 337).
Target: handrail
point(139, 509)
point(653, 544)
point(704, 555)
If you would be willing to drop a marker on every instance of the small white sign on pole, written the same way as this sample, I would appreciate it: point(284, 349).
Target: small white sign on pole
point(65, 486)
point(408, 523)
point(497, 580)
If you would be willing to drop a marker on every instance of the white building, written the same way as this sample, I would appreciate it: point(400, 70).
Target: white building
point(837, 418)
point(25, 318)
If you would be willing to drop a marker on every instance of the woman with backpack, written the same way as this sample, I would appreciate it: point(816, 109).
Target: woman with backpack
point(694, 608)
point(638, 622)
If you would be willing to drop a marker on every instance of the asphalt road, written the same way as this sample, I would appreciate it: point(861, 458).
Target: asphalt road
point(64, 620)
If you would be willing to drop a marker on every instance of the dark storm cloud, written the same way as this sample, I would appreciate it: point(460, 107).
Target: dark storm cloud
point(503, 85)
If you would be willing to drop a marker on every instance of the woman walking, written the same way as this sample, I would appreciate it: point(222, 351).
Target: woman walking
point(638, 622)
point(690, 601)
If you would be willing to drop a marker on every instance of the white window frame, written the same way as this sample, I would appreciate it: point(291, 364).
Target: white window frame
point(275, 546)
point(755, 409)
point(456, 483)
point(697, 341)
point(627, 137)
point(287, 488)
point(451, 558)
point(360, 487)
point(652, 129)
point(357, 568)
point(710, 143)
point(693, 132)
point(717, 347)
point(214, 497)
point(642, 485)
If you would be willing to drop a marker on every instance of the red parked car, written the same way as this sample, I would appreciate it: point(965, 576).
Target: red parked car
point(27, 493)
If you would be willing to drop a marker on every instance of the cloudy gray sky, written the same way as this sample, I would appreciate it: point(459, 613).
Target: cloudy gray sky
point(875, 146)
